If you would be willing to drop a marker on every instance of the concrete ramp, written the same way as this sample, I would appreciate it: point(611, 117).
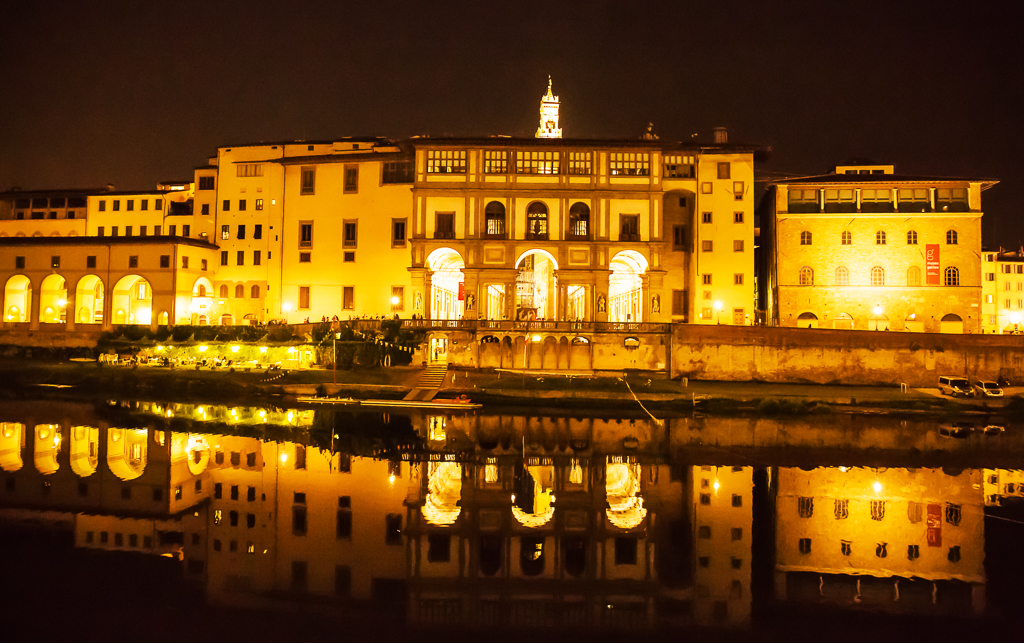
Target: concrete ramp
point(429, 384)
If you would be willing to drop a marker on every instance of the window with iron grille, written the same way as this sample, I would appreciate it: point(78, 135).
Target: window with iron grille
point(842, 509)
point(805, 507)
point(877, 509)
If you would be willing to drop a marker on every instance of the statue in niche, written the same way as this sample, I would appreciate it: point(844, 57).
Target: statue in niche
point(470, 300)
point(419, 301)
point(601, 304)
point(656, 304)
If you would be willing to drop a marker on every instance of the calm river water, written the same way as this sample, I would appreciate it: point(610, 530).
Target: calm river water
point(151, 521)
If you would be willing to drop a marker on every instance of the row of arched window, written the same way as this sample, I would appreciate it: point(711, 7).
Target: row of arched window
point(807, 238)
point(951, 276)
point(254, 292)
point(495, 225)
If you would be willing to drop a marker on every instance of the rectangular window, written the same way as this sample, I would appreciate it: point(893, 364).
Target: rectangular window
point(206, 183)
point(678, 167)
point(305, 234)
point(240, 258)
point(705, 217)
point(303, 297)
point(679, 237)
point(117, 205)
point(204, 208)
point(393, 529)
point(538, 162)
point(241, 205)
point(724, 171)
point(579, 163)
point(241, 232)
point(100, 231)
point(19, 263)
point(113, 231)
point(706, 187)
point(348, 298)
point(308, 185)
point(256, 257)
point(350, 233)
point(259, 205)
point(445, 225)
point(156, 230)
point(226, 206)
point(343, 528)
point(705, 279)
point(840, 200)
point(133, 261)
point(55, 261)
point(165, 261)
point(142, 231)
point(299, 521)
point(257, 231)
point(398, 172)
point(127, 231)
point(351, 179)
point(951, 200)
point(707, 246)
point(737, 245)
point(630, 227)
point(249, 169)
point(130, 205)
point(397, 298)
point(90, 261)
point(186, 230)
point(225, 232)
point(629, 164)
point(737, 217)
point(144, 204)
point(398, 233)
point(678, 302)
point(738, 190)
point(223, 257)
point(304, 257)
point(804, 201)
point(103, 206)
point(495, 162)
point(349, 257)
point(446, 162)
point(158, 204)
point(737, 279)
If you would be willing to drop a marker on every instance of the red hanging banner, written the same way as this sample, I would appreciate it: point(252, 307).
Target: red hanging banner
point(934, 523)
point(931, 264)
point(462, 290)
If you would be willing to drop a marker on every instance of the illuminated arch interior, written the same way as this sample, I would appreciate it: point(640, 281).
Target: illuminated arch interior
point(85, 448)
point(444, 491)
point(622, 488)
point(12, 441)
point(198, 454)
point(536, 285)
point(625, 286)
point(17, 299)
point(47, 448)
point(533, 504)
point(446, 266)
point(127, 452)
point(89, 300)
point(132, 301)
point(53, 300)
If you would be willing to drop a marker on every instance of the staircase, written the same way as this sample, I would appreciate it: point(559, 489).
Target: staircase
point(430, 381)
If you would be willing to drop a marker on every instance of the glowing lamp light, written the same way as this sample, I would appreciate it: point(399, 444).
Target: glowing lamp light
point(391, 478)
point(290, 415)
point(284, 458)
point(263, 349)
point(203, 349)
point(159, 348)
point(395, 301)
point(291, 350)
point(1015, 318)
point(718, 305)
point(716, 486)
point(62, 302)
point(536, 338)
point(235, 349)
point(286, 307)
point(844, 469)
point(877, 310)
point(877, 486)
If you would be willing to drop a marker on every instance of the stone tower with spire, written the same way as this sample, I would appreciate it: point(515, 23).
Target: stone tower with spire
point(549, 115)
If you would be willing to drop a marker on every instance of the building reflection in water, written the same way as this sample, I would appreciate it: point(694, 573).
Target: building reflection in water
point(496, 520)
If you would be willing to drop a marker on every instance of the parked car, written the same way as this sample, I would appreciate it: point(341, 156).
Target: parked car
point(993, 429)
point(987, 389)
point(955, 386)
point(960, 430)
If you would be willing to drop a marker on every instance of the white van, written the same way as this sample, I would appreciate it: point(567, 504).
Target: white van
point(955, 385)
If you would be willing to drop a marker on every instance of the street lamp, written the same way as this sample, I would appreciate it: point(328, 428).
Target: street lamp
point(334, 357)
point(718, 311)
point(877, 310)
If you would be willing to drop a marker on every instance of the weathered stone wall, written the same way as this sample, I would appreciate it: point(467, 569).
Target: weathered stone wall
point(842, 356)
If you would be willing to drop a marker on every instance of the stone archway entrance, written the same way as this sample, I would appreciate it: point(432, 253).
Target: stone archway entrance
point(447, 284)
point(536, 286)
point(625, 287)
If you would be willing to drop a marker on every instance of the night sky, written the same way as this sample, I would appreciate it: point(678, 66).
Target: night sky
point(132, 93)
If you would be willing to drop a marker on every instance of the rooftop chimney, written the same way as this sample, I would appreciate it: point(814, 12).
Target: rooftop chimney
point(721, 135)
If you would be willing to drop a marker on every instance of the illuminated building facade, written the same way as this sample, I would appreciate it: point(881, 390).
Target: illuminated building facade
point(867, 249)
point(1002, 291)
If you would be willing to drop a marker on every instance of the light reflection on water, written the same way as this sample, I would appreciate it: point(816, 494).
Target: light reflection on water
point(515, 520)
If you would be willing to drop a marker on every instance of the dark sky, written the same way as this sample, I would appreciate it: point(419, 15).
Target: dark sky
point(132, 93)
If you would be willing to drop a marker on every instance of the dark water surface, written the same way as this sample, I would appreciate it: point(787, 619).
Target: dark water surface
point(147, 521)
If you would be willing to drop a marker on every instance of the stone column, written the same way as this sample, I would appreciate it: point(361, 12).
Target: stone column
point(35, 294)
point(108, 304)
point(70, 308)
point(472, 293)
point(600, 305)
point(654, 287)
